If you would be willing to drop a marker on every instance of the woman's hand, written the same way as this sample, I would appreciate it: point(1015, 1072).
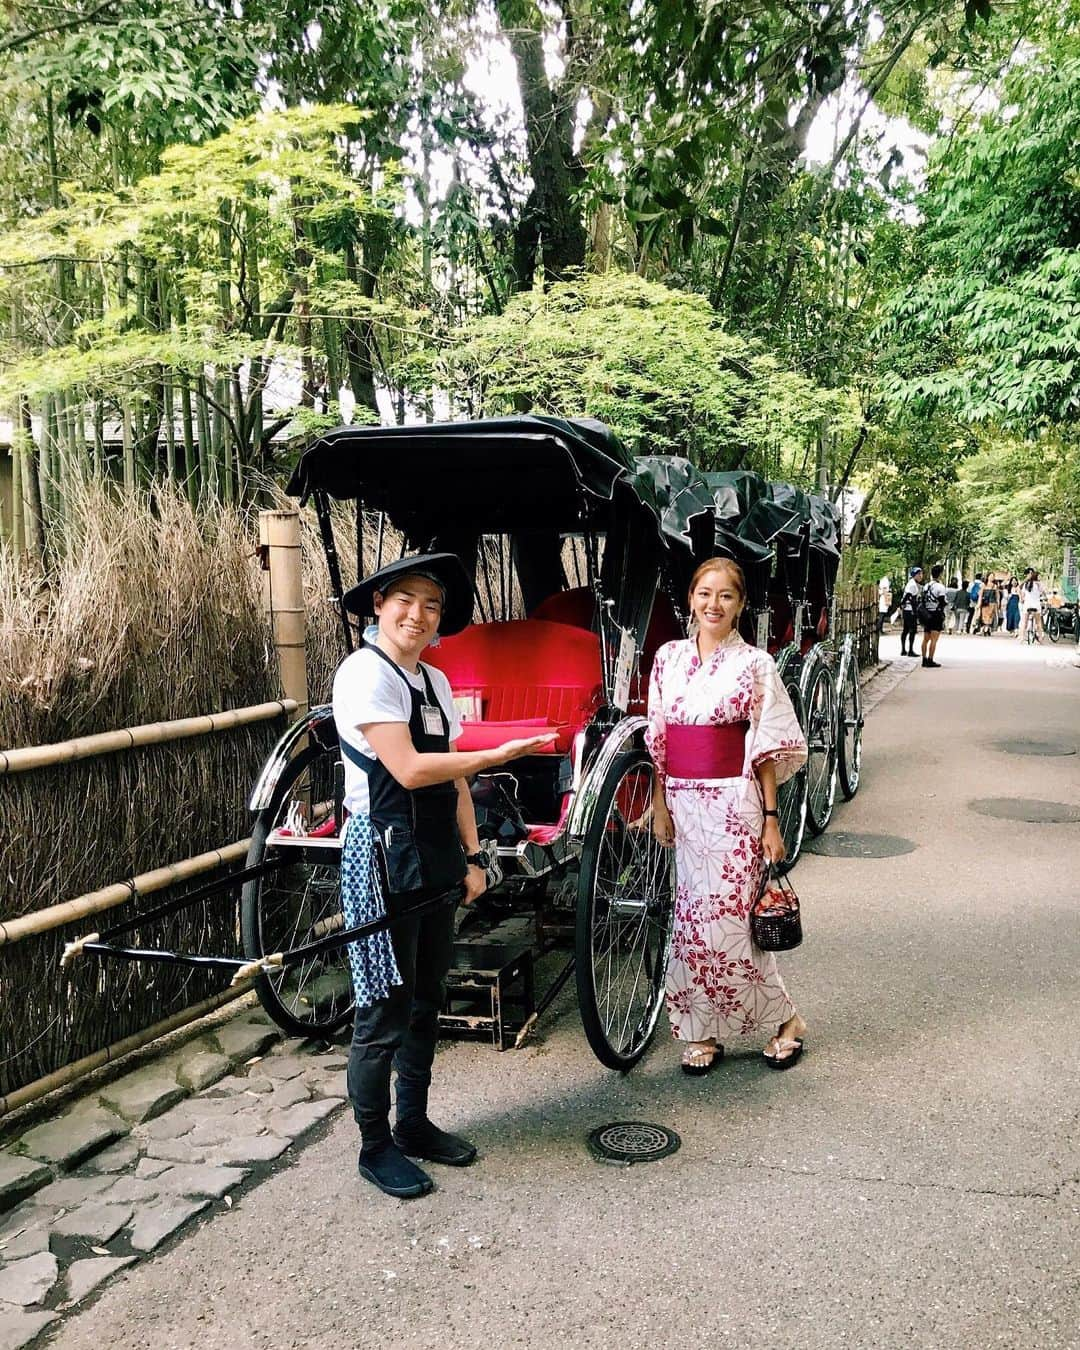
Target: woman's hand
point(475, 884)
point(772, 841)
point(529, 745)
point(663, 827)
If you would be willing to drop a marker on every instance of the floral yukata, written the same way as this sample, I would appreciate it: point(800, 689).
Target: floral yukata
point(718, 983)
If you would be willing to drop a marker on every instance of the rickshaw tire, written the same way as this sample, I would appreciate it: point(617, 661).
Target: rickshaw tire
point(849, 774)
point(605, 1052)
point(250, 911)
point(818, 814)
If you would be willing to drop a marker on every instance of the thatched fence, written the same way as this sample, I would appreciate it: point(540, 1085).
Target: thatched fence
point(154, 614)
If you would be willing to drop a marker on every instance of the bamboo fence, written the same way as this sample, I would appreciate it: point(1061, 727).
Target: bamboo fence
point(857, 613)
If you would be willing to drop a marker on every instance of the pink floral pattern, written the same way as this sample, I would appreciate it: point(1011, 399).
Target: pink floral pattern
point(718, 983)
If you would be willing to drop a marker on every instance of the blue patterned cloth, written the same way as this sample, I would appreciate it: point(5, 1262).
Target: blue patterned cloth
point(374, 967)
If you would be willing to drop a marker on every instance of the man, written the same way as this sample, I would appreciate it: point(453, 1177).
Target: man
point(408, 800)
point(931, 612)
point(909, 601)
point(975, 593)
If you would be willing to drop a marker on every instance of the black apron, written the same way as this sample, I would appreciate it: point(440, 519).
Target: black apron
point(418, 829)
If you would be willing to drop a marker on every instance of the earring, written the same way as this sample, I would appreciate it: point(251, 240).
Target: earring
point(692, 627)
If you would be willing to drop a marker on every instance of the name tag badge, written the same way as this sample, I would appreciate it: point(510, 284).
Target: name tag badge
point(432, 718)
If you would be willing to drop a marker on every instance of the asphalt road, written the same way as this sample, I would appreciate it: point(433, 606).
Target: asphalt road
point(914, 1182)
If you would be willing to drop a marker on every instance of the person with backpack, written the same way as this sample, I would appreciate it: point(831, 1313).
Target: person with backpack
point(909, 602)
point(930, 612)
point(974, 594)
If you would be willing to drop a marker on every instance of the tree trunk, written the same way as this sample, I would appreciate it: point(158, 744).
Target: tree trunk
point(554, 217)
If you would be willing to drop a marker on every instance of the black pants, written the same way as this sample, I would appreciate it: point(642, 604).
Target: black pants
point(907, 636)
point(399, 1031)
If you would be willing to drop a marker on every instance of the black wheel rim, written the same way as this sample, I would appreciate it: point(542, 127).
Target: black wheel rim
point(821, 749)
point(630, 918)
point(301, 902)
point(851, 730)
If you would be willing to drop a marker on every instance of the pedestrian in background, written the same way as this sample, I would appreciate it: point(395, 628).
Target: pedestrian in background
point(1031, 602)
point(909, 603)
point(1012, 606)
point(931, 614)
point(884, 602)
point(961, 607)
point(974, 594)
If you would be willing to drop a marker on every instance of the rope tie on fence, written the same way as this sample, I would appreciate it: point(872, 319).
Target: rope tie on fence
point(73, 950)
point(264, 965)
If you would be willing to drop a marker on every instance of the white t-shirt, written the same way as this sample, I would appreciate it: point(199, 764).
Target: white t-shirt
point(1032, 599)
point(367, 689)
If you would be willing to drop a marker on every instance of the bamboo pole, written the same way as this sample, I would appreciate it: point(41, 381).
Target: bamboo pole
point(283, 595)
point(149, 733)
point(81, 1068)
point(108, 897)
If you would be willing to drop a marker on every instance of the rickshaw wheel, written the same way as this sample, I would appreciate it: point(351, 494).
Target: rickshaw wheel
point(295, 905)
point(1052, 625)
point(791, 798)
point(849, 742)
point(821, 745)
point(624, 914)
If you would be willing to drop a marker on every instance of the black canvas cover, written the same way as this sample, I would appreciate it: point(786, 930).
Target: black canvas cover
point(498, 474)
point(734, 494)
point(679, 496)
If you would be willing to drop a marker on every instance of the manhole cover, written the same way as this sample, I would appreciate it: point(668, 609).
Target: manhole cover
point(1025, 747)
point(842, 845)
point(1026, 809)
point(632, 1141)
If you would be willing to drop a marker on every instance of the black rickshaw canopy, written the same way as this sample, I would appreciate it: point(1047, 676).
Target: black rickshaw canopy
point(502, 474)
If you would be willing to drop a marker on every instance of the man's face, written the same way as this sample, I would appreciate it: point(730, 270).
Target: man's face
point(409, 612)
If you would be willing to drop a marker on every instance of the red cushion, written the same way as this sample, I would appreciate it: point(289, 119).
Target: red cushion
point(487, 735)
point(531, 673)
point(575, 607)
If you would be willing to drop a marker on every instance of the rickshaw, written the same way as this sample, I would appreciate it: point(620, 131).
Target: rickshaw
point(548, 650)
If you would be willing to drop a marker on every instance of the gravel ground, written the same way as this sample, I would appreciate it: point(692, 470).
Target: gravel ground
point(914, 1182)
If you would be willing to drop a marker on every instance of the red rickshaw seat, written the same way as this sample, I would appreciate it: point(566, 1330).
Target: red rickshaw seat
point(529, 675)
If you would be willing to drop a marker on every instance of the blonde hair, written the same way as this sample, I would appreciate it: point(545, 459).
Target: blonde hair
point(728, 565)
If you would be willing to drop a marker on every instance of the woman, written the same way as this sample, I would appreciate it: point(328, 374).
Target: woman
point(1031, 602)
point(1012, 606)
point(722, 734)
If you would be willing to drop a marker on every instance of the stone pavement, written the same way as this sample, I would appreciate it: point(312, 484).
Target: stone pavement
point(86, 1194)
point(913, 1184)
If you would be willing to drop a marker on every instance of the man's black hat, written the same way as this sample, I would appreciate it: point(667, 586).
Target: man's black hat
point(445, 569)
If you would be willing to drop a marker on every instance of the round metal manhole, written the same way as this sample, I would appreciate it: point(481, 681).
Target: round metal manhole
point(1027, 809)
point(840, 844)
point(1050, 749)
point(632, 1141)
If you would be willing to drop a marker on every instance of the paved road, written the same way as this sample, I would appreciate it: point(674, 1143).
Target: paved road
point(915, 1182)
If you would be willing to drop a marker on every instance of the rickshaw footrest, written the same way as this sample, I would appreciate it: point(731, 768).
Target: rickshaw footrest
point(485, 982)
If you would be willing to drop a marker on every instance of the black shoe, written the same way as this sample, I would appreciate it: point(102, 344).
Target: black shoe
point(932, 665)
point(925, 662)
point(422, 1139)
point(387, 1167)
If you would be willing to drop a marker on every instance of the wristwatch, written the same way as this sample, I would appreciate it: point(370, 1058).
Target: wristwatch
point(772, 813)
point(479, 859)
